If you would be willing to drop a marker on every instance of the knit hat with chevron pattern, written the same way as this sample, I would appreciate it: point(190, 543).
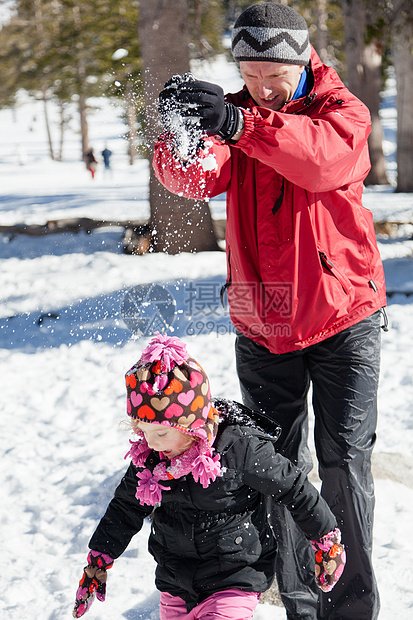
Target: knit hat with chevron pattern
point(271, 32)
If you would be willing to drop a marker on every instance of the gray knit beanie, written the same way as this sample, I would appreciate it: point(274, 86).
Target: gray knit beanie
point(271, 32)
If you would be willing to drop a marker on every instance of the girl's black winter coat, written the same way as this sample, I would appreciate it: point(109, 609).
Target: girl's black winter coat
point(208, 540)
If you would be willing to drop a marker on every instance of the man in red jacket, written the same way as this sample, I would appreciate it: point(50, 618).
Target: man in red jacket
point(305, 280)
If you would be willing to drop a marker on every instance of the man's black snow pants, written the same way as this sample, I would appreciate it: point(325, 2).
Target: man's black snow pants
point(344, 373)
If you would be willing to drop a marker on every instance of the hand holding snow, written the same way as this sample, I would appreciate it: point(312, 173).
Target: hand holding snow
point(184, 127)
point(187, 103)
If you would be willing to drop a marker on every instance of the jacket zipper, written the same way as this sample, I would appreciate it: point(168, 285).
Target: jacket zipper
point(227, 284)
point(344, 281)
point(279, 200)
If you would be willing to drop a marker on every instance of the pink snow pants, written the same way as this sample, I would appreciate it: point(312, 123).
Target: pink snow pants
point(230, 604)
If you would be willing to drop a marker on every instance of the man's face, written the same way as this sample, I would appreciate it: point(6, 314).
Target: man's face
point(270, 84)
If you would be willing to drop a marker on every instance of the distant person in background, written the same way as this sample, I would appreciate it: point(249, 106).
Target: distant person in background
point(106, 154)
point(91, 162)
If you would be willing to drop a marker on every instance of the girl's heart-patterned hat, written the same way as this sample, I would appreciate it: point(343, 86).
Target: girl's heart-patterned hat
point(167, 386)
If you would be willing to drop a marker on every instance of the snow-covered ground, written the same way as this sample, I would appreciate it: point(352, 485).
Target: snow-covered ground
point(65, 346)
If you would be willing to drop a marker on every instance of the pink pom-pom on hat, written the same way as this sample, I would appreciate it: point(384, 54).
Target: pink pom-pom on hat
point(169, 350)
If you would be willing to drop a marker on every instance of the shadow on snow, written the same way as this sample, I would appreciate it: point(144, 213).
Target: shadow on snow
point(181, 307)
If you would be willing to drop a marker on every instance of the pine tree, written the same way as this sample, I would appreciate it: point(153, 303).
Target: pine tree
point(63, 49)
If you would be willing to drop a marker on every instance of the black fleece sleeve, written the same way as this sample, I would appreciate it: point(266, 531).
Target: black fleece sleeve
point(123, 518)
point(271, 473)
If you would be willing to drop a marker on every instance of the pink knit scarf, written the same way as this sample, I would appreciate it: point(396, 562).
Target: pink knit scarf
point(197, 460)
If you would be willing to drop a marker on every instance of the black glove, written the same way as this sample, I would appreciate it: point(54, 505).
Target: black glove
point(204, 103)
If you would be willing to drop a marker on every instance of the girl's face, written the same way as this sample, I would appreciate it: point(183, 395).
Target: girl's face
point(165, 439)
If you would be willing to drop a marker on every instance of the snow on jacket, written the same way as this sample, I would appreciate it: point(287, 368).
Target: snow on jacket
point(207, 540)
point(303, 262)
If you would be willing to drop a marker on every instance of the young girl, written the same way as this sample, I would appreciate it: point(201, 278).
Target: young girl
point(204, 470)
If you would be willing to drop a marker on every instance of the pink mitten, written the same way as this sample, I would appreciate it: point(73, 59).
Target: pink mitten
point(330, 559)
point(94, 578)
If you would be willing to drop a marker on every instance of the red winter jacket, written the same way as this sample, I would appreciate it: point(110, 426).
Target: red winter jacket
point(303, 262)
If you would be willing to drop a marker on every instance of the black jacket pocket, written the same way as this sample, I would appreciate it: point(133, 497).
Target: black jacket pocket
point(239, 545)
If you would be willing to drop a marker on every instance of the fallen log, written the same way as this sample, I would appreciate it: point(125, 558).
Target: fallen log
point(85, 224)
point(139, 228)
point(136, 237)
point(388, 228)
point(65, 225)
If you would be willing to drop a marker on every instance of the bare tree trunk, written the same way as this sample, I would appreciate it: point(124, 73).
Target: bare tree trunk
point(322, 31)
point(371, 97)
point(402, 47)
point(62, 129)
point(364, 78)
point(131, 117)
point(81, 77)
point(46, 120)
point(84, 129)
point(179, 224)
point(39, 29)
